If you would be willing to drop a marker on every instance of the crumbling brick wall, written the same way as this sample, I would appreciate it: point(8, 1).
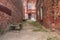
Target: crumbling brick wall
point(51, 13)
point(57, 13)
point(48, 13)
point(14, 16)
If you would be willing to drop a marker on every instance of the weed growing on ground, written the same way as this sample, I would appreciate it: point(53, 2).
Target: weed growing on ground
point(38, 27)
point(1, 31)
point(52, 38)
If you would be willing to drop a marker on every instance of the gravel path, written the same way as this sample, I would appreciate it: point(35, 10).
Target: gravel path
point(27, 34)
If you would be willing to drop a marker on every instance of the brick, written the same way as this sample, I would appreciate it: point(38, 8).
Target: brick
point(10, 12)
point(51, 12)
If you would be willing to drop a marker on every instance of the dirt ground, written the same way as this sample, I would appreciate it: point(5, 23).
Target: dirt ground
point(27, 34)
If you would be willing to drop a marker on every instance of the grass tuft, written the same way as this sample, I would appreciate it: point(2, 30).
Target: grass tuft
point(52, 38)
point(38, 27)
point(1, 31)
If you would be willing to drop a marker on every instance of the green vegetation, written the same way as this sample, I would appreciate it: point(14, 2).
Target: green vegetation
point(23, 23)
point(1, 31)
point(38, 27)
point(52, 38)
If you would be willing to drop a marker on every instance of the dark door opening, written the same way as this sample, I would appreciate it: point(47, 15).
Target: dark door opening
point(29, 15)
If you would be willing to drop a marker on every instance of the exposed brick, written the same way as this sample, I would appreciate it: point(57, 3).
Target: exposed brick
point(16, 11)
point(51, 13)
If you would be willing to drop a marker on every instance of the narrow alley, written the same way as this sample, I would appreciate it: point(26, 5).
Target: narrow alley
point(29, 19)
point(27, 33)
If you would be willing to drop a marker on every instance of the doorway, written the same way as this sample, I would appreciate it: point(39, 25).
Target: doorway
point(29, 16)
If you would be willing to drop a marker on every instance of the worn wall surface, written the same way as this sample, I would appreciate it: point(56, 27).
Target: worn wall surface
point(51, 13)
point(48, 13)
point(10, 12)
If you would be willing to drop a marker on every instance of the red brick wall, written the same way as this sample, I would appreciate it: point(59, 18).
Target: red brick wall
point(33, 9)
point(57, 13)
point(24, 7)
point(48, 15)
point(51, 13)
point(16, 13)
